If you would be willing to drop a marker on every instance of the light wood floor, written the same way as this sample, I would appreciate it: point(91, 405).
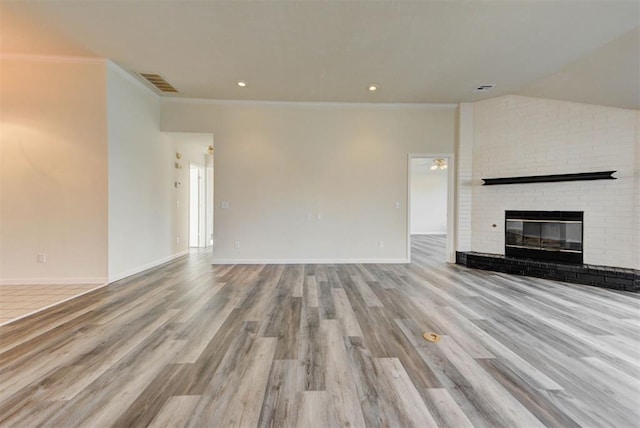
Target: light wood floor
point(190, 344)
point(17, 301)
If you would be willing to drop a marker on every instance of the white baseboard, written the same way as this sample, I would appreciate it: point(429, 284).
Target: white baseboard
point(429, 233)
point(54, 281)
point(151, 265)
point(215, 261)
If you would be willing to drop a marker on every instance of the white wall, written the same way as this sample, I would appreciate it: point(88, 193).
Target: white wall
point(53, 170)
point(312, 181)
point(428, 198)
point(141, 179)
point(516, 136)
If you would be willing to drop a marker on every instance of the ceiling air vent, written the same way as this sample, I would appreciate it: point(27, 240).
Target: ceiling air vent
point(159, 82)
point(484, 88)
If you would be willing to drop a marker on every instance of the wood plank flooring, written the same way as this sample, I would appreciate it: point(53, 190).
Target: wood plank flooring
point(18, 301)
point(194, 345)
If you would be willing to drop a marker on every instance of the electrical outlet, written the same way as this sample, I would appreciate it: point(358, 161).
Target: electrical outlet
point(397, 204)
point(237, 244)
point(381, 243)
point(42, 257)
point(224, 205)
point(177, 239)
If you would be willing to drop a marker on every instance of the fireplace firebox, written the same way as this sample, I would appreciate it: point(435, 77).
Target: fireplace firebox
point(544, 235)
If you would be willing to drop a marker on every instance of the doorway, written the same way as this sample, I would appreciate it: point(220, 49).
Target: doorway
point(196, 206)
point(194, 202)
point(430, 207)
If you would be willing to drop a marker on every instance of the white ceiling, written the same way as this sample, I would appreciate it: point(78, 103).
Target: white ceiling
point(416, 51)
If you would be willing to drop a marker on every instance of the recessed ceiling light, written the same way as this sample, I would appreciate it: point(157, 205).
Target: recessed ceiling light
point(373, 88)
point(242, 83)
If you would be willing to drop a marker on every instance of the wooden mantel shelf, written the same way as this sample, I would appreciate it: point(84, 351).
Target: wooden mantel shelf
point(582, 176)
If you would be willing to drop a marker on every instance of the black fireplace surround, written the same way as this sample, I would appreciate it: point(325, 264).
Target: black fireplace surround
point(544, 235)
point(548, 244)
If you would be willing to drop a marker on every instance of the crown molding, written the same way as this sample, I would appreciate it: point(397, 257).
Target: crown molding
point(308, 103)
point(53, 58)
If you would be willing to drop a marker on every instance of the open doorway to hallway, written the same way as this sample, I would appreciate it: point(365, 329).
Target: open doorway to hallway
point(430, 206)
point(193, 195)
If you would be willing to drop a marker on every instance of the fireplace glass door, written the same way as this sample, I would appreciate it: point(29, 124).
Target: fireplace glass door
point(544, 235)
point(552, 238)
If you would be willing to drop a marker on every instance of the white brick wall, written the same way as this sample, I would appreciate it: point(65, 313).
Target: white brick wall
point(464, 179)
point(636, 236)
point(516, 136)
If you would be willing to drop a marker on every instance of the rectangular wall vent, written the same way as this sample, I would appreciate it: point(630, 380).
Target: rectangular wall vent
point(159, 82)
point(484, 88)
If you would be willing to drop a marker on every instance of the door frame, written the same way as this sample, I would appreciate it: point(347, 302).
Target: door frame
point(450, 252)
point(201, 205)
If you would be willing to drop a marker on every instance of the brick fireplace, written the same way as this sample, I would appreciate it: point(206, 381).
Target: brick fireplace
point(549, 244)
point(516, 136)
